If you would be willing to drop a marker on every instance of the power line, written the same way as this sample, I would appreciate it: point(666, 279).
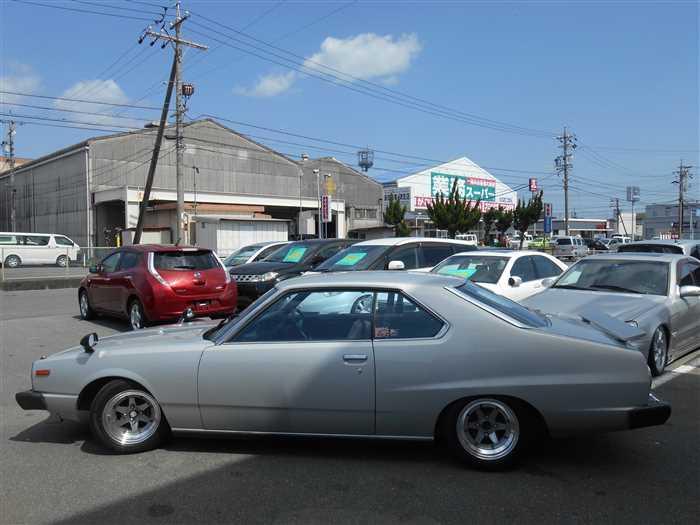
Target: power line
point(113, 104)
point(48, 108)
point(65, 120)
point(118, 8)
point(80, 10)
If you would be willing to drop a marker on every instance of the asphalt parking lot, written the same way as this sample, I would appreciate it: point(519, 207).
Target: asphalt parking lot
point(54, 472)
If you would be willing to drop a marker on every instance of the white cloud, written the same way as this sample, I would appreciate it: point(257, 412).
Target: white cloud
point(19, 78)
point(366, 56)
point(97, 91)
point(269, 85)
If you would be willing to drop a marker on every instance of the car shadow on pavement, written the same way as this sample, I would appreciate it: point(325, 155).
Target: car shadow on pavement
point(50, 430)
point(119, 325)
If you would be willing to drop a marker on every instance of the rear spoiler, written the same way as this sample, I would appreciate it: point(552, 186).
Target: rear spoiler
point(611, 325)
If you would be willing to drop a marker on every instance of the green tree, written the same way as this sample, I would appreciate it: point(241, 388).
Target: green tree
point(394, 216)
point(504, 220)
point(489, 218)
point(454, 213)
point(526, 214)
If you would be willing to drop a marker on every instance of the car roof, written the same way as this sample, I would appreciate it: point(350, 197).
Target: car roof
point(397, 241)
point(383, 279)
point(640, 256)
point(159, 248)
point(510, 254)
point(667, 242)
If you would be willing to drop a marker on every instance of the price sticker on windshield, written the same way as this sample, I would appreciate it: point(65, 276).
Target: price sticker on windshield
point(351, 259)
point(294, 255)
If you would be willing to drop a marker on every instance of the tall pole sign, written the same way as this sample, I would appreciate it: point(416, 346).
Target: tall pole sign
point(548, 217)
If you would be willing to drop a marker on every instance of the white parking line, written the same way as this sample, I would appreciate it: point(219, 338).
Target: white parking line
point(675, 372)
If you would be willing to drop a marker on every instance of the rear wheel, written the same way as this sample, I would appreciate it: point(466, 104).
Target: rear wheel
point(487, 433)
point(658, 352)
point(61, 261)
point(12, 261)
point(137, 317)
point(86, 311)
point(127, 419)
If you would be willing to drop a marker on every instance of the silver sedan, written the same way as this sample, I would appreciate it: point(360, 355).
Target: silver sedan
point(377, 354)
point(658, 293)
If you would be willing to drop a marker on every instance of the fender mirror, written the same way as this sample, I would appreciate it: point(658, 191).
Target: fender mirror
point(88, 342)
point(690, 291)
point(547, 282)
point(515, 281)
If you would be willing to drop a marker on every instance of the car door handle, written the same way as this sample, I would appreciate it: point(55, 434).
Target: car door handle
point(355, 358)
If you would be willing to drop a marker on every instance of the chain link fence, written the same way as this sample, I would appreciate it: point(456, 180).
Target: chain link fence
point(19, 264)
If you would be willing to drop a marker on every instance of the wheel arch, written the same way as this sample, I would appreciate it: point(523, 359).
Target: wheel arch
point(89, 391)
point(531, 412)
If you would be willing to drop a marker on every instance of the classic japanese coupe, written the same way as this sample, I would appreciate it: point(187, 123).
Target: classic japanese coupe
point(359, 354)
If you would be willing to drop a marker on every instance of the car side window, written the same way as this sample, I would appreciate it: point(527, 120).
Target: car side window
point(434, 253)
point(397, 317)
point(62, 241)
point(545, 268)
point(8, 240)
point(109, 264)
point(696, 252)
point(267, 251)
point(36, 240)
point(408, 255)
point(324, 315)
point(524, 269)
point(129, 260)
point(689, 274)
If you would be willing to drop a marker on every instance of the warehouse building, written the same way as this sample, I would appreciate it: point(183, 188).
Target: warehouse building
point(91, 191)
point(661, 220)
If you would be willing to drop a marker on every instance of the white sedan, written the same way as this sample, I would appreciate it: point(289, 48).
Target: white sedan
point(513, 274)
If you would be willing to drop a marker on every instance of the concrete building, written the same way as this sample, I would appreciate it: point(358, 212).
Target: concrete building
point(91, 191)
point(661, 220)
point(416, 191)
point(586, 228)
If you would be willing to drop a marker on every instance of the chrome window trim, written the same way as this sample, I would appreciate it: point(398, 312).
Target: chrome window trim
point(489, 309)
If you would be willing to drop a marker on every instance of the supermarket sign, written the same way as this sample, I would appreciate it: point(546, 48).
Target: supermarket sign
point(473, 189)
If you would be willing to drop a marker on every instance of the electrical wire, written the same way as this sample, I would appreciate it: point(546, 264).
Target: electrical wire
point(80, 10)
point(69, 99)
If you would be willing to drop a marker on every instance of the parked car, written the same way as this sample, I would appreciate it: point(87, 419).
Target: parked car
point(471, 238)
point(149, 283)
point(539, 243)
point(568, 247)
point(252, 253)
point(515, 241)
point(395, 253)
point(17, 249)
point(618, 240)
point(658, 293)
point(515, 274)
point(684, 247)
point(595, 245)
point(290, 260)
point(433, 357)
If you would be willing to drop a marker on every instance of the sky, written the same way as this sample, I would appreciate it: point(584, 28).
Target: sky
point(417, 81)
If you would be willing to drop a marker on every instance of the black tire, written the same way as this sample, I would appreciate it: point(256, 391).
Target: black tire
point(61, 261)
point(86, 311)
point(131, 315)
point(13, 261)
point(104, 421)
point(657, 363)
point(465, 444)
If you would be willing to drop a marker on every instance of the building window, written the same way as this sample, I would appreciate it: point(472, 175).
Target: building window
point(365, 213)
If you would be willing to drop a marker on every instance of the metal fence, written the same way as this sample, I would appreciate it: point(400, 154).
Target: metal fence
point(48, 263)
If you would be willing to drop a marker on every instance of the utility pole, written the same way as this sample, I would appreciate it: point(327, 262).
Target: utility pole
point(9, 145)
point(317, 172)
point(563, 166)
point(181, 234)
point(615, 204)
point(683, 176)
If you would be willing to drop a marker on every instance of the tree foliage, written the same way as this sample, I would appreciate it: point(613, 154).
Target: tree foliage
point(489, 218)
point(525, 214)
point(394, 216)
point(504, 220)
point(454, 213)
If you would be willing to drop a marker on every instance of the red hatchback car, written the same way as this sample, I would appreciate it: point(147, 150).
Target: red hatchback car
point(148, 283)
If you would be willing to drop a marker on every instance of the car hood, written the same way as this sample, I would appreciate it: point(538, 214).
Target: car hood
point(625, 307)
point(259, 268)
point(146, 341)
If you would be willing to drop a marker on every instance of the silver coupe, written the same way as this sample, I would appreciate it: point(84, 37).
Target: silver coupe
point(371, 354)
point(658, 293)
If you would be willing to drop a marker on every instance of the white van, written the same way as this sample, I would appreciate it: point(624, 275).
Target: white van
point(471, 238)
point(17, 248)
point(569, 247)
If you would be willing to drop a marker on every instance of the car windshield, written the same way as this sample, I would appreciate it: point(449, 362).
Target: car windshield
point(639, 277)
point(185, 260)
point(503, 305)
point(292, 253)
point(234, 319)
point(241, 255)
point(353, 258)
point(564, 242)
point(477, 268)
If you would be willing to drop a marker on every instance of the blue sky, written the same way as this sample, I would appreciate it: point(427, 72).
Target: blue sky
point(622, 75)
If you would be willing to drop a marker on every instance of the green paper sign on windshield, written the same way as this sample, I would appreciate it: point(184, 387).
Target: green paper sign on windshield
point(454, 269)
point(294, 255)
point(351, 259)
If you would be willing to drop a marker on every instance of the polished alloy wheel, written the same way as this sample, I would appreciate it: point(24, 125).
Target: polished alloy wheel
point(84, 306)
point(488, 429)
point(135, 316)
point(659, 349)
point(131, 417)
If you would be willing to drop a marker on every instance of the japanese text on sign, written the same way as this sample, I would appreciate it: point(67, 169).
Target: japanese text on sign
point(469, 188)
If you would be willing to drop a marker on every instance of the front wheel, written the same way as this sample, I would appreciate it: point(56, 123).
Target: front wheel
point(127, 419)
point(485, 432)
point(658, 352)
point(61, 261)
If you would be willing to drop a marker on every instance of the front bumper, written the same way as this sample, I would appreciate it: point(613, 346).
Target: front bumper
point(30, 400)
point(656, 412)
point(250, 291)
